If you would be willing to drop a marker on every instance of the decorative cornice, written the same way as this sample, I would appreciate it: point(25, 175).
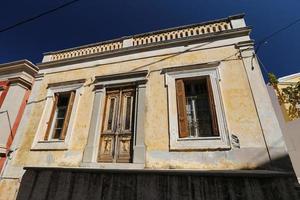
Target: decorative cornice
point(21, 81)
point(147, 47)
point(249, 43)
point(150, 33)
point(190, 67)
point(237, 16)
point(119, 76)
point(128, 78)
point(206, 29)
point(19, 66)
point(39, 76)
point(78, 81)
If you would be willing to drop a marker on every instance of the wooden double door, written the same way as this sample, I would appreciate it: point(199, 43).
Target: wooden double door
point(117, 126)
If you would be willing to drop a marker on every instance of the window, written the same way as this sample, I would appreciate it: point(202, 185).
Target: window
point(57, 123)
point(117, 129)
point(60, 115)
point(196, 115)
point(196, 109)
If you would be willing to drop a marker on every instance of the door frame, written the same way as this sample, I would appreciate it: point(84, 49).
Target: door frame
point(101, 84)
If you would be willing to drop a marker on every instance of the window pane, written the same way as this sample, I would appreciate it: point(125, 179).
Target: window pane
point(56, 133)
point(63, 99)
point(128, 113)
point(111, 113)
point(59, 118)
point(59, 123)
point(61, 111)
point(198, 108)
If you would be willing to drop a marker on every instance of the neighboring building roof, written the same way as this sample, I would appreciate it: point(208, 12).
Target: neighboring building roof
point(19, 65)
point(289, 77)
point(22, 71)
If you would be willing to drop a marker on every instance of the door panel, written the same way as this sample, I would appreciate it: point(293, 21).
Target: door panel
point(106, 150)
point(117, 131)
point(111, 112)
point(124, 148)
point(127, 112)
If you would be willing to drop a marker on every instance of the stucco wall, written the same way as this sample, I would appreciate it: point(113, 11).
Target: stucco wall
point(290, 130)
point(8, 189)
point(240, 112)
point(9, 111)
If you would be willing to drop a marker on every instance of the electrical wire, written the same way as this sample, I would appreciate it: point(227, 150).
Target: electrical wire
point(74, 1)
point(38, 16)
point(263, 41)
point(262, 64)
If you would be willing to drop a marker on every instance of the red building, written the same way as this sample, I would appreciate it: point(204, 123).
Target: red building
point(16, 79)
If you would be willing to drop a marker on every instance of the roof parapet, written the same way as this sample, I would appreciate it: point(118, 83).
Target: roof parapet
point(182, 32)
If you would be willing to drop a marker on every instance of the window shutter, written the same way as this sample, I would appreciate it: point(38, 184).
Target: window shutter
point(212, 107)
point(49, 123)
point(182, 115)
point(67, 116)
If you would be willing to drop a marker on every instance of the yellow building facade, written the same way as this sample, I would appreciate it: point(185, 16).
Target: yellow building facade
point(115, 105)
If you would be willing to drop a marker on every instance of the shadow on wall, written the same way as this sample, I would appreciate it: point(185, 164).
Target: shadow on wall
point(282, 163)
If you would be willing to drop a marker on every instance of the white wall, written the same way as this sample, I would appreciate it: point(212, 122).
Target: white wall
point(291, 133)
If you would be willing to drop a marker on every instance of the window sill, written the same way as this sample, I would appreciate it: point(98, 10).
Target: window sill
point(113, 165)
point(199, 144)
point(50, 145)
point(198, 138)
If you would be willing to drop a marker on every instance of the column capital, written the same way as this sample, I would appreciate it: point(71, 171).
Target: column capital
point(245, 45)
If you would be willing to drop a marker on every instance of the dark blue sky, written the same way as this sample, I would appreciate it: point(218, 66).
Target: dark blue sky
point(89, 21)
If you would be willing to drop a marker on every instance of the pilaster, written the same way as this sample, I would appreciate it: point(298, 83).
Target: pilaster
point(265, 111)
point(139, 146)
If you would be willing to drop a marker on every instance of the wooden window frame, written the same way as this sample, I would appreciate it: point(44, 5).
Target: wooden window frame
point(51, 122)
point(42, 140)
point(198, 143)
point(181, 109)
point(181, 106)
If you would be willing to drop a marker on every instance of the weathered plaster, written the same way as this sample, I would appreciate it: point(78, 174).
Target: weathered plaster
point(9, 189)
point(239, 108)
point(249, 117)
